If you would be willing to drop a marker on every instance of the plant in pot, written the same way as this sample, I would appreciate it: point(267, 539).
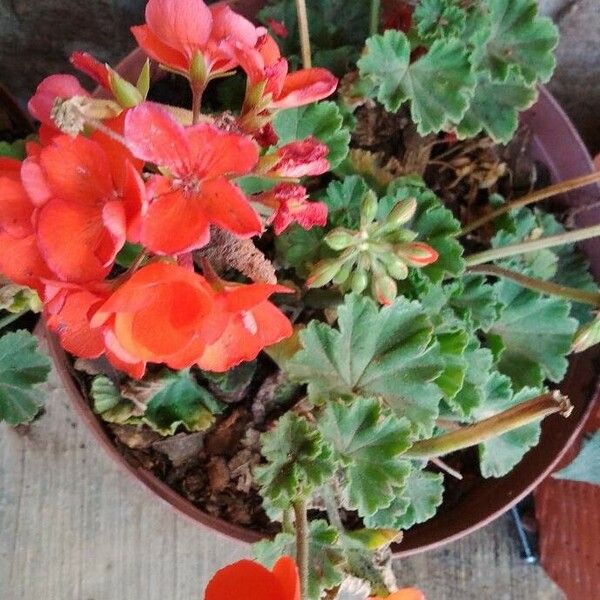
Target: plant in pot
point(308, 316)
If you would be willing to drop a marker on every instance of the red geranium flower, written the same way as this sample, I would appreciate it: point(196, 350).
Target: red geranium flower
point(86, 63)
point(291, 205)
point(302, 158)
point(176, 31)
point(158, 315)
point(264, 64)
point(20, 259)
point(247, 580)
point(197, 191)
point(81, 197)
point(252, 323)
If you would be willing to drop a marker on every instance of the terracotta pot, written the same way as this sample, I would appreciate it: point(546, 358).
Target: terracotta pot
point(556, 144)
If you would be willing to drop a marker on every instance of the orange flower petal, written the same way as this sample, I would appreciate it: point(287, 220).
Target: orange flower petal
point(74, 242)
point(173, 223)
point(21, 261)
point(219, 153)
point(159, 51)
point(16, 209)
point(225, 205)
point(404, 594)
point(286, 571)
point(305, 87)
point(76, 169)
point(245, 580)
point(120, 359)
point(72, 324)
point(245, 297)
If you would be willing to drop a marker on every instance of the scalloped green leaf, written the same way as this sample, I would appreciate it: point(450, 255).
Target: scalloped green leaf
point(298, 461)
point(495, 107)
point(499, 455)
point(323, 120)
point(536, 334)
point(436, 19)
point(476, 301)
point(438, 85)
point(386, 353)
point(516, 36)
point(324, 550)
point(369, 443)
point(415, 503)
point(22, 368)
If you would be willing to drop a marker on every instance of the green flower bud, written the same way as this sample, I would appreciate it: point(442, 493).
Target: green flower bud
point(385, 289)
point(395, 266)
point(340, 239)
point(416, 254)
point(323, 272)
point(402, 213)
point(198, 72)
point(368, 208)
point(126, 94)
point(343, 273)
point(360, 281)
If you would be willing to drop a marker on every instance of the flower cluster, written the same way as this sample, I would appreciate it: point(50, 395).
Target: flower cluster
point(105, 175)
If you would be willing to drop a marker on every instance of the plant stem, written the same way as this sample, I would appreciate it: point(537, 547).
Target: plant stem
point(331, 506)
point(553, 190)
point(375, 17)
point(287, 523)
point(531, 246)
point(304, 33)
point(539, 285)
point(301, 521)
point(11, 318)
point(471, 435)
point(197, 92)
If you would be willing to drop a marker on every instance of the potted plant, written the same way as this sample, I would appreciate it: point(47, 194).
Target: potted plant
point(299, 309)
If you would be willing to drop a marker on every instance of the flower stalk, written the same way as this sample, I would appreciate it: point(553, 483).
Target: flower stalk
point(539, 285)
point(513, 418)
point(568, 237)
point(301, 522)
point(304, 33)
point(375, 17)
point(537, 196)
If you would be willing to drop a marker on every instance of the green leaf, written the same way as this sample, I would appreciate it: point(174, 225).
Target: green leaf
point(452, 349)
point(415, 503)
point(296, 247)
point(439, 19)
point(324, 550)
point(104, 394)
point(387, 353)
point(128, 254)
point(434, 224)
point(323, 120)
point(438, 85)
point(475, 301)
point(536, 333)
point(298, 461)
point(517, 36)
point(335, 42)
point(181, 402)
point(495, 107)
point(14, 150)
point(343, 199)
point(586, 466)
point(499, 455)
point(22, 368)
point(369, 442)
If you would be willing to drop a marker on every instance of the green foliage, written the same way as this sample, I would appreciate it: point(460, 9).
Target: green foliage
point(415, 502)
point(475, 301)
point(536, 335)
point(22, 368)
point(14, 150)
point(323, 120)
point(181, 402)
point(369, 443)
point(586, 466)
point(298, 461)
point(499, 455)
point(439, 18)
point(387, 353)
point(516, 36)
point(478, 65)
point(336, 42)
point(326, 555)
point(438, 85)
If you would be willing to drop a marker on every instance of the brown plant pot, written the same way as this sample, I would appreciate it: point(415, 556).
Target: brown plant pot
point(557, 145)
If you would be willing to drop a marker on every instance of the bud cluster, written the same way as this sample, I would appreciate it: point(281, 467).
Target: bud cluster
point(377, 255)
